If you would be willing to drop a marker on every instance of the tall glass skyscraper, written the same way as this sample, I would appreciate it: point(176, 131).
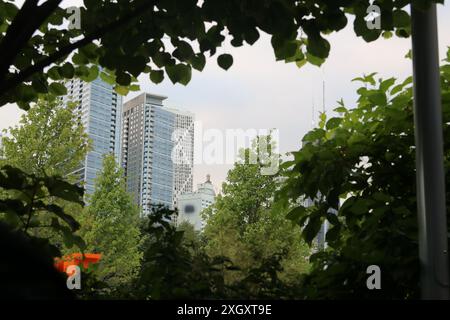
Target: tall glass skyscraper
point(101, 115)
point(148, 143)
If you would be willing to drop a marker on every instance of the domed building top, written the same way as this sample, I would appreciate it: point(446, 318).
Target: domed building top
point(206, 187)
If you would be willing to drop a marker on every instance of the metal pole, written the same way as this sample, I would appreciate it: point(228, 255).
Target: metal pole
point(433, 249)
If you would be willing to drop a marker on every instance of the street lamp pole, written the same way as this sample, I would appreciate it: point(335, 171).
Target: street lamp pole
point(433, 249)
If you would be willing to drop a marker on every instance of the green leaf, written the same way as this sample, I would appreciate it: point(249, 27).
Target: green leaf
point(123, 79)
point(157, 76)
point(387, 34)
point(225, 61)
point(360, 206)
point(135, 65)
point(67, 71)
point(179, 73)
point(381, 197)
point(40, 85)
point(79, 59)
point(107, 77)
point(312, 229)
point(340, 109)
point(58, 211)
point(333, 123)
point(386, 84)
point(323, 119)
point(314, 60)
point(332, 234)
point(318, 47)
point(284, 49)
point(57, 89)
point(296, 213)
point(401, 19)
point(198, 62)
point(251, 36)
point(356, 138)
point(301, 63)
point(409, 54)
point(378, 98)
point(53, 73)
point(184, 51)
point(333, 219)
point(122, 90)
point(92, 74)
point(60, 188)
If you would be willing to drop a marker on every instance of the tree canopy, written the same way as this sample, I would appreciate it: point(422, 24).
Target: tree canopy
point(362, 164)
point(265, 248)
point(48, 141)
point(109, 225)
point(167, 37)
point(38, 158)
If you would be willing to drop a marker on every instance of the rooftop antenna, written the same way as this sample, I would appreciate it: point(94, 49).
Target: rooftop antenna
point(323, 90)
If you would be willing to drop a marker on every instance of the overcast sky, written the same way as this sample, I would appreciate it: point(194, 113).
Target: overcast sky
point(260, 93)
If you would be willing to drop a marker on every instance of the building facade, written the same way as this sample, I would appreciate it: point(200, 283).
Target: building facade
point(183, 154)
point(149, 132)
point(100, 109)
point(190, 205)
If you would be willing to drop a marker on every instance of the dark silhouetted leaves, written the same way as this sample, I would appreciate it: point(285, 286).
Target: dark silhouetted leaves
point(225, 61)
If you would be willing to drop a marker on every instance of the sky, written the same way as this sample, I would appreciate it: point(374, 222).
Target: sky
point(258, 92)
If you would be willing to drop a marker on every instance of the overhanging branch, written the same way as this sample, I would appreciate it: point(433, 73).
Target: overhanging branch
point(63, 52)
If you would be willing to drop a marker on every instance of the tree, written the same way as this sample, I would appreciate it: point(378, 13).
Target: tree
point(24, 207)
point(127, 38)
point(49, 140)
point(241, 225)
point(174, 265)
point(110, 226)
point(362, 162)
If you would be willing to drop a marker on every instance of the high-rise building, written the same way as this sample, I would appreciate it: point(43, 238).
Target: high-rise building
point(183, 154)
point(190, 205)
point(154, 138)
point(100, 109)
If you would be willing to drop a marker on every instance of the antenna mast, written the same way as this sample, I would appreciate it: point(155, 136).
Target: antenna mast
point(323, 90)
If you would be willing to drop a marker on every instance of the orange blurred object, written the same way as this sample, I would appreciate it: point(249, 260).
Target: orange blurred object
point(61, 264)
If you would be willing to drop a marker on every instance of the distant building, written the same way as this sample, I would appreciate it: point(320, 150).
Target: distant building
point(190, 205)
point(183, 154)
point(152, 137)
point(101, 111)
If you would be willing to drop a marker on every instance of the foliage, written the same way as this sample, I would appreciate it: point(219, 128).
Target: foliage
point(24, 208)
point(362, 162)
point(110, 226)
point(265, 247)
point(49, 140)
point(129, 38)
point(174, 266)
